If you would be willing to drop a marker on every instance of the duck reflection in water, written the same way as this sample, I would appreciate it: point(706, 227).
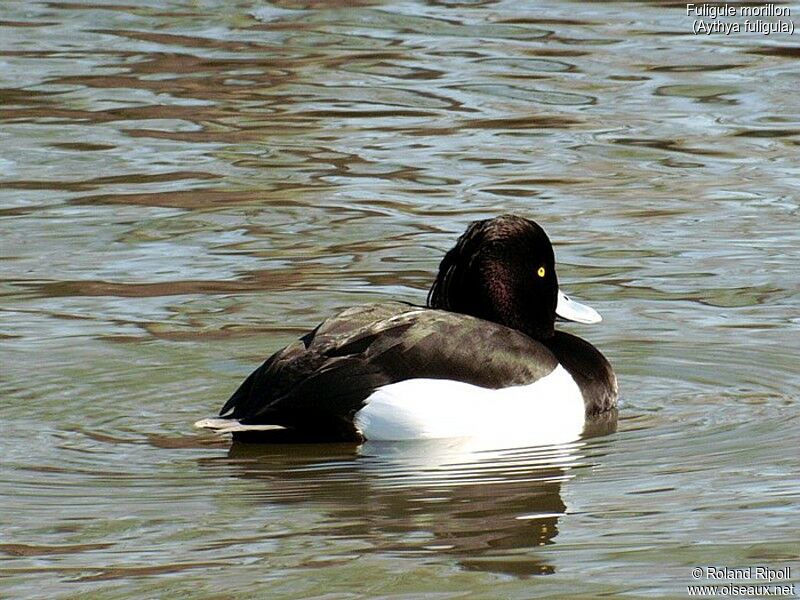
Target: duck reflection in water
point(489, 509)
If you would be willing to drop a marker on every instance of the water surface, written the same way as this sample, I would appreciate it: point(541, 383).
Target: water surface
point(187, 186)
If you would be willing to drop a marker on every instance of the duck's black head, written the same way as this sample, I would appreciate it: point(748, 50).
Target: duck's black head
point(501, 270)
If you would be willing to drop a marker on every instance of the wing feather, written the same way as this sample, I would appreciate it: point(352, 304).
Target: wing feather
point(327, 374)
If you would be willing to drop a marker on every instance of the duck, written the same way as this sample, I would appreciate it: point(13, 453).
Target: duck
point(482, 358)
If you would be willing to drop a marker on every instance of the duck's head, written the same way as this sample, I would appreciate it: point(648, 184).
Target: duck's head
point(503, 270)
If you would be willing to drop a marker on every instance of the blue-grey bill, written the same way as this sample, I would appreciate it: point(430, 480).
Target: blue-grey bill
point(569, 310)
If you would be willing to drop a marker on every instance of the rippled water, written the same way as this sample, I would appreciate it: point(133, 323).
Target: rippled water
point(187, 186)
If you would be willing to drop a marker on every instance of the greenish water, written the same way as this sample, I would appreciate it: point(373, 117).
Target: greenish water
point(187, 186)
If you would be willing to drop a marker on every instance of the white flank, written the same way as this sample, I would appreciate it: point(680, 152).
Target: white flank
point(549, 411)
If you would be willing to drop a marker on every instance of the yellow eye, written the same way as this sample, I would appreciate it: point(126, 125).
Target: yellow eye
point(540, 272)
